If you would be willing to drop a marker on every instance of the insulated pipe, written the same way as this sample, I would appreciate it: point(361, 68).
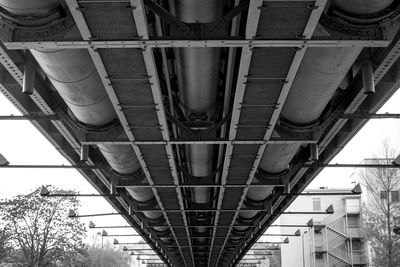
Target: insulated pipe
point(362, 7)
point(29, 7)
point(317, 79)
point(197, 74)
point(76, 79)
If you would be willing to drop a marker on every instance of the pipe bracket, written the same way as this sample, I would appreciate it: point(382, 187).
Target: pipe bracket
point(342, 25)
point(54, 25)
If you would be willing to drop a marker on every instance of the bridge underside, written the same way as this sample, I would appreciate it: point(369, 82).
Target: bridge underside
point(200, 116)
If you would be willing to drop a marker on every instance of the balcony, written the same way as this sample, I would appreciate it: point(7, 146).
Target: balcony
point(352, 206)
point(355, 232)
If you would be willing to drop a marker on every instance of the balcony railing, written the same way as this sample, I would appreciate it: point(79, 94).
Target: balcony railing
point(340, 255)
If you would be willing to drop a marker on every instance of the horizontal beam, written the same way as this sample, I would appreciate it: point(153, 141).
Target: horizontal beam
point(197, 142)
point(107, 235)
point(114, 227)
point(321, 194)
point(365, 115)
point(28, 117)
point(289, 225)
point(360, 115)
point(227, 226)
point(341, 165)
point(137, 249)
point(49, 166)
point(144, 44)
point(200, 225)
point(93, 215)
point(200, 185)
point(80, 195)
point(280, 235)
point(308, 165)
point(231, 210)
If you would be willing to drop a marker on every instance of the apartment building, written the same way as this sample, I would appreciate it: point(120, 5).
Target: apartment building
point(333, 240)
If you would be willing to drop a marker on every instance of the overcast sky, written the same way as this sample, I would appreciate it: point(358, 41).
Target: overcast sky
point(21, 143)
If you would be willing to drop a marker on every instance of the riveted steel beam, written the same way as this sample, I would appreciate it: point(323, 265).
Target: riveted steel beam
point(186, 142)
point(146, 44)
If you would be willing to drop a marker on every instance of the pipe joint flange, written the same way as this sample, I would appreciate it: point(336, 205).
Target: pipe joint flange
point(200, 206)
point(25, 28)
point(195, 179)
point(254, 204)
point(239, 233)
point(235, 241)
point(90, 128)
point(149, 204)
point(342, 24)
point(294, 131)
point(119, 178)
point(248, 221)
point(202, 217)
point(136, 175)
point(266, 177)
point(88, 132)
point(306, 128)
point(201, 241)
point(201, 234)
point(163, 234)
point(156, 221)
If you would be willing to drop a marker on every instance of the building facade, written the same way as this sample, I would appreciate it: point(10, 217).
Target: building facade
point(327, 240)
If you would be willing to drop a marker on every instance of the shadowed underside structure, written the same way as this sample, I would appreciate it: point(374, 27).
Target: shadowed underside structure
point(203, 118)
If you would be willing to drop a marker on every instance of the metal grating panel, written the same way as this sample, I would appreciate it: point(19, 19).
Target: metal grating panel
point(284, 20)
point(110, 21)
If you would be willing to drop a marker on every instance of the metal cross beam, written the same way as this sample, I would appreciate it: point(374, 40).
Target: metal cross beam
point(25, 166)
point(310, 165)
point(184, 185)
point(148, 44)
point(368, 116)
point(231, 210)
point(31, 117)
point(275, 141)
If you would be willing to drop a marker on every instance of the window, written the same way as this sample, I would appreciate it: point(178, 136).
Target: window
point(395, 195)
point(316, 204)
point(319, 256)
point(384, 195)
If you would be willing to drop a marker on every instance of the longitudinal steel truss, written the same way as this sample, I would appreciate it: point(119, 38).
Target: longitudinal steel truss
point(264, 43)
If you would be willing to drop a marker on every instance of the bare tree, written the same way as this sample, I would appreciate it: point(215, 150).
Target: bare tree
point(41, 230)
point(382, 208)
point(5, 244)
point(105, 255)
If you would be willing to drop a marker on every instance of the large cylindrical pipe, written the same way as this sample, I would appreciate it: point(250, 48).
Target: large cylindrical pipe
point(197, 73)
point(362, 7)
point(29, 7)
point(76, 79)
point(317, 79)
